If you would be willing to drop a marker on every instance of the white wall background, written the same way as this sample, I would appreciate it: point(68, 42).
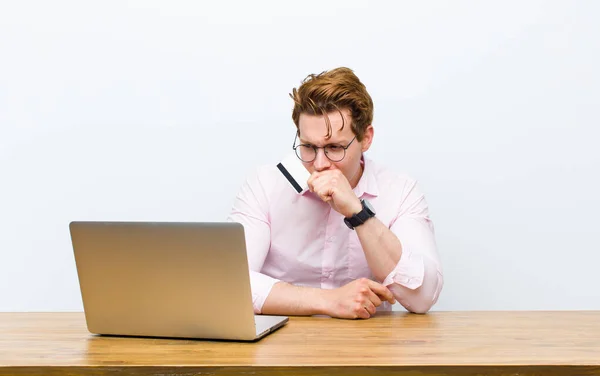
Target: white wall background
point(148, 110)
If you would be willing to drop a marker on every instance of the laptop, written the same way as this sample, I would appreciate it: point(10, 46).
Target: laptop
point(167, 279)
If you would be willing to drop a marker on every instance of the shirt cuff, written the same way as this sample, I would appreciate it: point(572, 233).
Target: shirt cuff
point(261, 286)
point(409, 272)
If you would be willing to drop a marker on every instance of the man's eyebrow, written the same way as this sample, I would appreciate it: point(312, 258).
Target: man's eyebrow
point(304, 142)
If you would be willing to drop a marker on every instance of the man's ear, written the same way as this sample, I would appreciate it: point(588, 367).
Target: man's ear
point(368, 138)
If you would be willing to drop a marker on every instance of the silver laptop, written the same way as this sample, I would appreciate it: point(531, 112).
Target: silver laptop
point(165, 279)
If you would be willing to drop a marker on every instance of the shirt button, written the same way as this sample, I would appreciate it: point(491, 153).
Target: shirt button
point(332, 239)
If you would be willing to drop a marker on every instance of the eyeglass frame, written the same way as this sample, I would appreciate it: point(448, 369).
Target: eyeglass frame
point(316, 149)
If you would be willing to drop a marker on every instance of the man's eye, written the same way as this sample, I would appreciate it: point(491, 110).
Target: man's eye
point(334, 147)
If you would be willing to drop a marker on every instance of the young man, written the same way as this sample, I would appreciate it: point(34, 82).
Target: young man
point(358, 239)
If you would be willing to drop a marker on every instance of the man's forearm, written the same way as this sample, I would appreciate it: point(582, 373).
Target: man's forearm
point(287, 299)
point(381, 246)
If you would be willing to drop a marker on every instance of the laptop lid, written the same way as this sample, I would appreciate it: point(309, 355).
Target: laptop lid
point(164, 279)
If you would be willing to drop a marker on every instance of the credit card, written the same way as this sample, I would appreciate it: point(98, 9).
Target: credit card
point(294, 171)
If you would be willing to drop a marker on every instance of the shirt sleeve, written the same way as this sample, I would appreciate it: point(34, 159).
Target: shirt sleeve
point(250, 208)
point(417, 279)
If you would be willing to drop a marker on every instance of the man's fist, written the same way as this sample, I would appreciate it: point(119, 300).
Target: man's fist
point(358, 299)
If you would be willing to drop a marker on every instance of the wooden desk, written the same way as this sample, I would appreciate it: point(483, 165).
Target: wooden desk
point(439, 343)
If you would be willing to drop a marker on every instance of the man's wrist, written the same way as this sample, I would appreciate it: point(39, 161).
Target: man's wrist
point(355, 209)
point(322, 300)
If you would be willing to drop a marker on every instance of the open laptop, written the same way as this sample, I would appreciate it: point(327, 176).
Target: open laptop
point(167, 279)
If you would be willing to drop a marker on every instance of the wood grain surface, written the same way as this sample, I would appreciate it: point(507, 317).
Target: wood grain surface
point(438, 343)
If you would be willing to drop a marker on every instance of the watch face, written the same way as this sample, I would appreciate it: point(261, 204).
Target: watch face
point(369, 206)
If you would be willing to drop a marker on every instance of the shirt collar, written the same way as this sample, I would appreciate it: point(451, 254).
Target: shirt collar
point(367, 185)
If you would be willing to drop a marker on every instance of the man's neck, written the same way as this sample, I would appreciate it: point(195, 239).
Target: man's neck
point(356, 178)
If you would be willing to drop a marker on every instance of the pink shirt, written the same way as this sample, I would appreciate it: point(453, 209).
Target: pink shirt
point(297, 238)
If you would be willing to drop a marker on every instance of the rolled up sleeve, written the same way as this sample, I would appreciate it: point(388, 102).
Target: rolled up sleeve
point(250, 208)
point(417, 279)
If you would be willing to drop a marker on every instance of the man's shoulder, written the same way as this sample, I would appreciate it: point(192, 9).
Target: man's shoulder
point(389, 177)
point(265, 173)
point(267, 176)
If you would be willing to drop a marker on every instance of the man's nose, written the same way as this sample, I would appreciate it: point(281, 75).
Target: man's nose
point(321, 161)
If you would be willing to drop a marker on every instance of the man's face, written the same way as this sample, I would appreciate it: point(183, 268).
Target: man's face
point(313, 130)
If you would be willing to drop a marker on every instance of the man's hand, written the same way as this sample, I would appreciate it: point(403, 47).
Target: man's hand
point(333, 187)
point(358, 299)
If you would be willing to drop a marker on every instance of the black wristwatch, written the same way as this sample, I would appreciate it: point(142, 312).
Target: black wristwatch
point(360, 217)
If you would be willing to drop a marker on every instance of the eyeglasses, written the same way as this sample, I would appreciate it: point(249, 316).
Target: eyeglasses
point(308, 153)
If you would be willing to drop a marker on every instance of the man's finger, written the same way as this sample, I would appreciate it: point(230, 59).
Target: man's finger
point(382, 291)
point(370, 308)
point(311, 180)
point(361, 311)
point(374, 298)
point(323, 191)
